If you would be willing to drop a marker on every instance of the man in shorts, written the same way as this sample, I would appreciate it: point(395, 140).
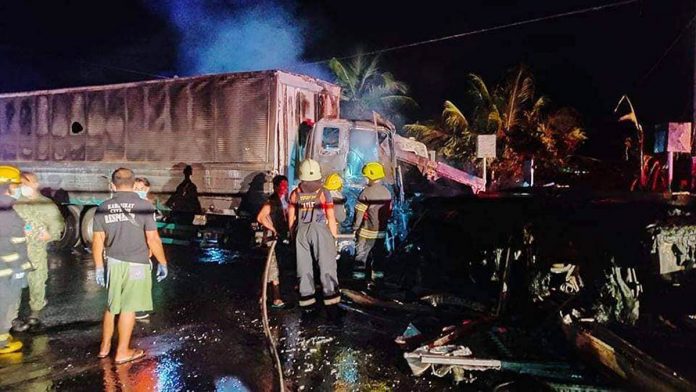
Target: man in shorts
point(274, 217)
point(125, 232)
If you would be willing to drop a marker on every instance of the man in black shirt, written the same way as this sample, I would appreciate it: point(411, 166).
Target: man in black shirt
point(274, 217)
point(125, 231)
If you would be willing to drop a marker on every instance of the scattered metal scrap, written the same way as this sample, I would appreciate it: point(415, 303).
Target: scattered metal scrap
point(601, 346)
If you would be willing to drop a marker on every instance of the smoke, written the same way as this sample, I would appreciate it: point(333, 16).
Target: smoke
point(235, 36)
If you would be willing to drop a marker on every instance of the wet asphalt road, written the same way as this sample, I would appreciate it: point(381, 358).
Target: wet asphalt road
point(205, 335)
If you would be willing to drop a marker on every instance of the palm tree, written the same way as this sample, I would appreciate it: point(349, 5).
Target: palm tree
point(365, 88)
point(450, 136)
point(524, 126)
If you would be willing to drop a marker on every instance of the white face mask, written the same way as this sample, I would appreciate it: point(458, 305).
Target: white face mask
point(16, 193)
point(142, 194)
point(27, 191)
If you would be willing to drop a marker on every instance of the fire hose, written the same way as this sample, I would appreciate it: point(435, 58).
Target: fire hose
point(273, 348)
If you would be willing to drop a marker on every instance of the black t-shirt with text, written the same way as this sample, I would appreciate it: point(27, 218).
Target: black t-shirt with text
point(124, 219)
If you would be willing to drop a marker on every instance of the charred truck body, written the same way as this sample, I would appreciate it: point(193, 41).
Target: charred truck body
point(235, 130)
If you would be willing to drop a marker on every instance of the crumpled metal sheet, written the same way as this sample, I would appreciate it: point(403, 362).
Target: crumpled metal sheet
point(418, 367)
point(675, 247)
point(619, 297)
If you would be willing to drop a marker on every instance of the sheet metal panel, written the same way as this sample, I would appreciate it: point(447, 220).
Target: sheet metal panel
point(96, 126)
point(230, 127)
point(26, 144)
point(242, 119)
point(203, 119)
point(115, 126)
point(58, 127)
point(137, 149)
point(77, 140)
point(43, 135)
point(8, 129)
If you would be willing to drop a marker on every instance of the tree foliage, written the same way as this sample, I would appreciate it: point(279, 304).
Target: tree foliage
point(526, 126)
point(366, 88)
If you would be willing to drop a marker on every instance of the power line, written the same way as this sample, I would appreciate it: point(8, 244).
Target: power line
point(484, 30)
point(668, 50)
point(122, 69)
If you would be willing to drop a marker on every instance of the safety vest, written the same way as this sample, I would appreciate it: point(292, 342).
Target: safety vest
point(311, 206)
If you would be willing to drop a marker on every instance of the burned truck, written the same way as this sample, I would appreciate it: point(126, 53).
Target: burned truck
point(344, 146)
point(235, 130)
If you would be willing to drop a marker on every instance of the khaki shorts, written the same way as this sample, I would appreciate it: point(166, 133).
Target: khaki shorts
point(129, 286)
point(273, 271)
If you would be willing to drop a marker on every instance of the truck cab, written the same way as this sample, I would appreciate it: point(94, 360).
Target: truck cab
point(345, 146)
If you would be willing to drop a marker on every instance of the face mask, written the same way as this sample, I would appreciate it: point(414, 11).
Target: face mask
point(142, 194)
point(26, 191)
point(16, 193)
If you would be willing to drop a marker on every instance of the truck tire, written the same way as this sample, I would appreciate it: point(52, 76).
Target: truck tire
point(86, 225)
point(71, 234)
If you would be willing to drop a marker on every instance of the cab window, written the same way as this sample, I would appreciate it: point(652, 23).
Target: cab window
point(330, 139)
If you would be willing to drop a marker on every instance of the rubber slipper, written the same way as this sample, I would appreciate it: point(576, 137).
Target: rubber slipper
point(102, 356)
point(278, 306)
point(137, 354)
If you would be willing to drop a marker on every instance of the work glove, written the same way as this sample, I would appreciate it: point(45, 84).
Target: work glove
point(162, 272)
point(99, 276)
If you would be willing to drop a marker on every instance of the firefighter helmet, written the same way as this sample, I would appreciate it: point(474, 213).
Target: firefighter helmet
point(333, 182)
point(9, 175)
point(373, 171)
point(310, 170)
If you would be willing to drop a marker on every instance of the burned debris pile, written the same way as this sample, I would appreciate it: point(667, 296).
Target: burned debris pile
point(536, 290)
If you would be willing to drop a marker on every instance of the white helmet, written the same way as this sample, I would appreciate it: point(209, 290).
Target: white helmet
point(310, 170)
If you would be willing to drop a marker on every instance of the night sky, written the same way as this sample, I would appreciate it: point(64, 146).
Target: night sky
point(586, 61)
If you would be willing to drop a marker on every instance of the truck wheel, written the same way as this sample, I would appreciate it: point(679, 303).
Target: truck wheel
point(71, 234)
point(87, 226)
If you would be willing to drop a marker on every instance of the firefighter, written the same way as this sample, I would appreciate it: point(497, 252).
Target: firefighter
point(372, 212)
point(316, 231)
point(14, 261)
point(334, 184)
point(45, 224)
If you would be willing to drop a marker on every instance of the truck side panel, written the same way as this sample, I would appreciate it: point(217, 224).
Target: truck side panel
point(218, 124)
point(229, 127)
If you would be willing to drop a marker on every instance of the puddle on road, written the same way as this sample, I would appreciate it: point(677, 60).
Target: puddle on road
point(218, 256)
point(229, 384)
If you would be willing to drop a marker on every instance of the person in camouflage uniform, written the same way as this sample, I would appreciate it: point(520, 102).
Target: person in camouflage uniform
point(44, 224)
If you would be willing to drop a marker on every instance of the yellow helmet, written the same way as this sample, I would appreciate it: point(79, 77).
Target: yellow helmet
point(373, 171)
point(310, 170)
point(9, 175)
point(333, 182)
